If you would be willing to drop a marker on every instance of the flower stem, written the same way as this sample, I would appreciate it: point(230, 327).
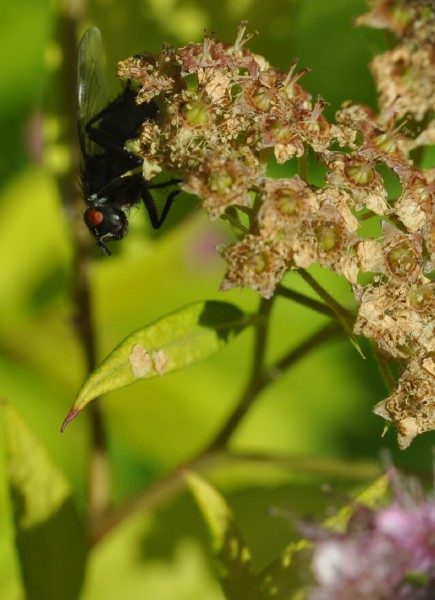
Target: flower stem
point(169, 486)
point(256, 380)
point(384, 368)
point(326, 333)
point(262, 377)
point(304, 300)
point(342, 313)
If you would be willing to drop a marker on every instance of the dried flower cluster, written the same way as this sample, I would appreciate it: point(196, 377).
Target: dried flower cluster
point(397, 310)
point(224, 111)
point(387, 554)
point(405, 75)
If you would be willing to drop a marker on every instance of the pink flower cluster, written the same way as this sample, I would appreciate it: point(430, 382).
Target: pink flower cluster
point(383, 555)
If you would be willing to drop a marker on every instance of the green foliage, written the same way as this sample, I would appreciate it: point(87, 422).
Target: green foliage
point(280, 580)
point(174, 342)
point(49, 533)
point(233, 556)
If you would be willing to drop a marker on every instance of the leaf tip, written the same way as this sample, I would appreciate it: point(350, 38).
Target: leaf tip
point(72, 413)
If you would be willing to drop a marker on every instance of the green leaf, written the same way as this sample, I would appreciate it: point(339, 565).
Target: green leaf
point(281, 579)
point(174, 342)
point(233, 556)
point(50, 536)
point(372, 497)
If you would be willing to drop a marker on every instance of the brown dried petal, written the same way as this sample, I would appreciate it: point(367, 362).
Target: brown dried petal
point(349, 268)
point(388, 315)
point(403, 254)
point(286, 203)
point(370, 255)
point(415, 205)
point(345, 136)
point(360, 178)
point(405, 78)
point(215, 84)
point(142, 68)
point(316, 129)
point(412, 405)
point(284, 152)
point(385, 14)
point(283, 136)
point(326, 241)
point(221, 184)
point(341, 201)
point(304, 250)
point(253, 263)
point(353, 115)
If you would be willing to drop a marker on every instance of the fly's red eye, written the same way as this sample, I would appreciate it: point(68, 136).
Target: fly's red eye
point(93, 217)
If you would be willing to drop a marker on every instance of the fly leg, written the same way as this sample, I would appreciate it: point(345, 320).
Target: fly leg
point(150, 205)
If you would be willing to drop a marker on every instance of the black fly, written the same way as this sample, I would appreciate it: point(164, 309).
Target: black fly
point(112, 178)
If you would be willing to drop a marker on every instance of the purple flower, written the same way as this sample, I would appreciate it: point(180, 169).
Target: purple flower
point(384, 555)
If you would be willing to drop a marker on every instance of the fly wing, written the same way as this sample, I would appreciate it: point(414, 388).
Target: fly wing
point(92, 92)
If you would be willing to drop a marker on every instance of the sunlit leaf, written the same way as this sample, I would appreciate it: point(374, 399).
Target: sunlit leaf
point(281, 579)
point(372, 497)
point(233, 556)
point(50, 536)
point(174, 342)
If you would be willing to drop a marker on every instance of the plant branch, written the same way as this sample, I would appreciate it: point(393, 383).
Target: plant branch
point(256, 380)
point(384, 368)
point(171, 485)
point(315, 466)
point(326, 333)
point(304, 300)
point(168, 487)
point(99, 472)
point(262, 377)
point(341, 312)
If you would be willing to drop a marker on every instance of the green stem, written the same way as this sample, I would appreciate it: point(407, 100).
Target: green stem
point(172, 484)
point(384, 368)
point(316, 466)
point(168, 487)
point(261, 378)
point(304, 300)
point(232, 218)
point(339, 310)
point(324, 334)
point(256, 380)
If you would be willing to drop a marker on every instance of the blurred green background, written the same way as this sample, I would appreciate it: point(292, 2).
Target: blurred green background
point(320, 409)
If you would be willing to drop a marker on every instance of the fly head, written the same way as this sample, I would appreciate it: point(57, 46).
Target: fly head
point(106, 223)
